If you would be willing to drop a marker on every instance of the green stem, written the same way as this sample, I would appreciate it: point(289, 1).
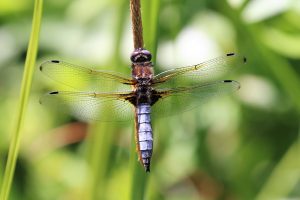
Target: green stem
point(23, 102)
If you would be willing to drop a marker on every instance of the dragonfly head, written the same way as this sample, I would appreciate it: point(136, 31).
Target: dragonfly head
point(140, 55)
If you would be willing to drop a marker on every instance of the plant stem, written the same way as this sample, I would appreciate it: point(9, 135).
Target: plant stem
point(137, 26)
point(139, 176)
point(23, 102)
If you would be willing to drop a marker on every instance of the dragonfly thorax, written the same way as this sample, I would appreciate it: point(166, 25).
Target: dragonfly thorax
point(143, 93)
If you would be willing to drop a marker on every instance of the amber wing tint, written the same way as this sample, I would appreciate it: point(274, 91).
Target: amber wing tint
point(205, 72)
point(85, 79)
point(91, 106)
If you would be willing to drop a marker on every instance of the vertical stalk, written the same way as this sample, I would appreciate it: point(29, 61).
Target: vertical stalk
point(23, 102)
point(150, 14)
point(137, 26)
point(138, 174)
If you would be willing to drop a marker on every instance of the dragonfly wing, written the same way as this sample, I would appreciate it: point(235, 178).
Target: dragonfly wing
point(91, 106)
point(182, 99)
point(82, 78)
point(201, 73)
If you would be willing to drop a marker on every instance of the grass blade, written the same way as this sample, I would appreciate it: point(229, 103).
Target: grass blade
point(24, 95)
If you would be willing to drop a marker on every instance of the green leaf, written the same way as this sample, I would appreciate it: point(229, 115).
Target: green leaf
point(23, 101)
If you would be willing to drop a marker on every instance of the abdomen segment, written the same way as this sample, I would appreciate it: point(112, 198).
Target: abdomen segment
point(144, 135)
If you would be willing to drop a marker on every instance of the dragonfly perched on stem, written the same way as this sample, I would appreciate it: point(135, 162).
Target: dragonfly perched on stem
point(149, 95)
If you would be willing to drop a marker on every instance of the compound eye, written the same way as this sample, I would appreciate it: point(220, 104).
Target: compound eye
point(134, 56)
point(141, 55)
point(146, 53)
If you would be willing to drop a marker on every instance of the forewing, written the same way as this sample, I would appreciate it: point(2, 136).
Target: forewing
point(91, 106)
point(204, 72)
point(182, 99)
point(85, 79)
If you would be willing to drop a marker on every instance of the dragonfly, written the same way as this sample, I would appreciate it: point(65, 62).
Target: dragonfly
point(99, 93)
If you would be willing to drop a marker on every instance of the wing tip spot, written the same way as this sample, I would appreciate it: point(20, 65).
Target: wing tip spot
point(230, 54)
point(233, 54)
point(55, 61)
point(54, 92)
point(231, 81)
point(227, 81)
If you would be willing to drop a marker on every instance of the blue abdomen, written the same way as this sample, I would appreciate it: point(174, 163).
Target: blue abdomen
point(144, 131)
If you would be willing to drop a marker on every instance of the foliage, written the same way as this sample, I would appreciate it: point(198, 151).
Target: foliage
point(244, 146)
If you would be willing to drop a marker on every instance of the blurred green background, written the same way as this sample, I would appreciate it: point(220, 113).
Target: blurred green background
point(244, 146)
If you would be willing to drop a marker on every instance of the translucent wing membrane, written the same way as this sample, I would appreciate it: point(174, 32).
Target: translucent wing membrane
point(182, 99)
point(180, 89)
point(82, 78)
point(202, 73)
point(91, 106)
